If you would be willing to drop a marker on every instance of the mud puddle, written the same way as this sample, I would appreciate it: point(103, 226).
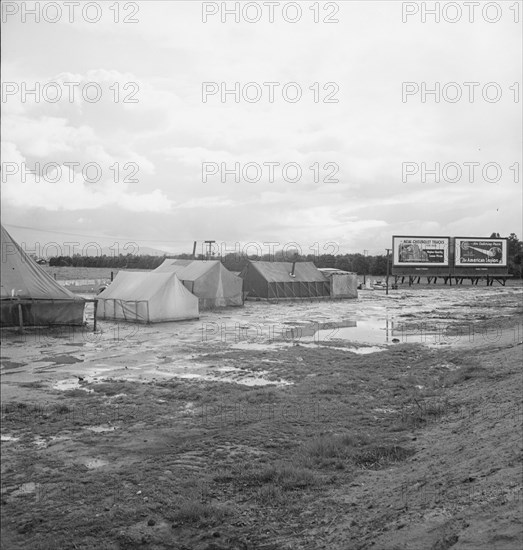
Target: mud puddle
point(70, 384)
point(122, 351)
point(4, 438)
point(227, 374)
point(163, 367)
point(101, 429)
point(93, 463)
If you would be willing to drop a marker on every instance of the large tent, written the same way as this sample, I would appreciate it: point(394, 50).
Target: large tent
point(209, 280)
point(146, 297)
point(284, 280)
point(29, 296)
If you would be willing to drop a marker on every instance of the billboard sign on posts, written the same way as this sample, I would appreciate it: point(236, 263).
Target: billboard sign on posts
point(478, 252)
point(420, 251)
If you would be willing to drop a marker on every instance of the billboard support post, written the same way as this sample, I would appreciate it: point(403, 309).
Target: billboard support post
point(387, 280)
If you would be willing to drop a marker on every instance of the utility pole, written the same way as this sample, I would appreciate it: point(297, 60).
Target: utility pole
point(365, 252)
point(209, 249)
point(387, 280)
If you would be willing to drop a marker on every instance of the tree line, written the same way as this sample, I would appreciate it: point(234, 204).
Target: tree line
point(359, 263)
point(370, 265)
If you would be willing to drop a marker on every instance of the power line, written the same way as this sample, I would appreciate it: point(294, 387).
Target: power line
point(91, 236)
point(373, 251)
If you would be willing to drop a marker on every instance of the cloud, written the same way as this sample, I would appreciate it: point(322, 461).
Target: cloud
point(62, 187)
point(162, 62)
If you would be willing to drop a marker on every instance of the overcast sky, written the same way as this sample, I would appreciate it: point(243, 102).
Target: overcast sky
point(169, 132)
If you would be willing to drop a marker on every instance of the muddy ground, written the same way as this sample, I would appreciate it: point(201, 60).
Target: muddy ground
point(386, 423)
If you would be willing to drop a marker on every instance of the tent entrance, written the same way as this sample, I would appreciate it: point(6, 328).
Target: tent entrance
point(136, 311)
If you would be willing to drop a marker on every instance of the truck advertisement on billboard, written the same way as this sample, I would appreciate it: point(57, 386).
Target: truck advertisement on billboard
point(477, 252)
point(420, 251)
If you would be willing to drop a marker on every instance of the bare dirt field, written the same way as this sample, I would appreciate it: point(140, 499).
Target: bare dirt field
point(388, 422)
point(82, 279)
point(69, 273)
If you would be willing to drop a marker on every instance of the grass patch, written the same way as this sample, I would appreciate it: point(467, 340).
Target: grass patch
point(379, 456)
point(464, 373)
point(35, 384)
point(340, 451)
point(421, 410)
point(330, 390)
point(333, 446)
point(262, 396)
point(270, 495)
point(239, 470)
point(190, 391)
point(285, 475)
point(112, 387)
point(76, 393)
point(193, 511)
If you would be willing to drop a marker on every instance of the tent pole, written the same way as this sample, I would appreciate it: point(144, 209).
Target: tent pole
point(20, 317)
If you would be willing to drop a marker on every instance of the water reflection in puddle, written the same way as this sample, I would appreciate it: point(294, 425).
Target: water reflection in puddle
point(25, 489)
point(101, 429)
point(369, 335)
point(5, 437)
point(234, 376)
point(70, 384)
point(371, 331)
point(93, 463)
point(183, 368)
point(362, 350)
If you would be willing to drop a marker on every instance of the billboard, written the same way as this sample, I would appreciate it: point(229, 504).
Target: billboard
point(420, 251)
point(478, 252)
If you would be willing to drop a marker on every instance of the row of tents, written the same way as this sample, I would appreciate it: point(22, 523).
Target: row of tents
point(179, 289)
point(176, 290)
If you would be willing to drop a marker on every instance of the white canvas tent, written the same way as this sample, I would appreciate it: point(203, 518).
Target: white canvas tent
point(29, 296)
point(147, 297)
point(214, 285)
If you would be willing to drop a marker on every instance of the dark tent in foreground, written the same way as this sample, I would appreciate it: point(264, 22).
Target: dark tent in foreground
point(213, 284)
point(28, 291)
point(284, 280)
